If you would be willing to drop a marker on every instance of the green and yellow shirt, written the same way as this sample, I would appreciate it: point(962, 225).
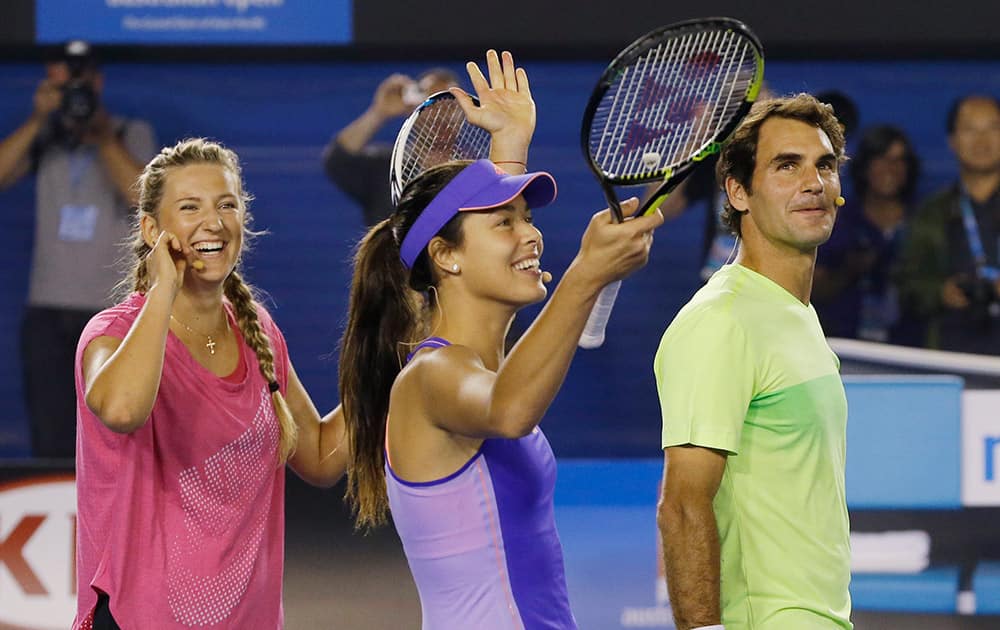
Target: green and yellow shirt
point(745, 368)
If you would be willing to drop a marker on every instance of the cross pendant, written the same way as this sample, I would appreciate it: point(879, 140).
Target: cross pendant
point(210, 345)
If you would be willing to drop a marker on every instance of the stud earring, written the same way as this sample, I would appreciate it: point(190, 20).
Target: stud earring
point(455, 267)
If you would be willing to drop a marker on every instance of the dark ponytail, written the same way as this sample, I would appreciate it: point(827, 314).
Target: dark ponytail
point(386, 314)
point(382, 312)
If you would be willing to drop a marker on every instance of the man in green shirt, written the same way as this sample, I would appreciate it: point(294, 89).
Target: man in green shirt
point(753, 516)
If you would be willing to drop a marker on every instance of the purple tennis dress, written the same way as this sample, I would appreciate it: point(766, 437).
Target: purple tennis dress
point(482, 542)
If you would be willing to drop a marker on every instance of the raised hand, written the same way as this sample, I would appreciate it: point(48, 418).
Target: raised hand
point(388, 101)
point(168, 261)
point(506, 108)
point(47, 99)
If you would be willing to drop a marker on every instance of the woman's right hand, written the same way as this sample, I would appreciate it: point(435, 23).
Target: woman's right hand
point(122, 375)
point(168, 261)
point(611, 251)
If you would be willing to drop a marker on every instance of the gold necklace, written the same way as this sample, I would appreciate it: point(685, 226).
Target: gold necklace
point(211, 343)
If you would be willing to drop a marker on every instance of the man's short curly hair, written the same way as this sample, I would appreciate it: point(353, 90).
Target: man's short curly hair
point(739, 154)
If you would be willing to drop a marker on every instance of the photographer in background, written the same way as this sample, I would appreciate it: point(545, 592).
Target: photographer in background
point(85, 162)
point(359, 167)
point(949, 272)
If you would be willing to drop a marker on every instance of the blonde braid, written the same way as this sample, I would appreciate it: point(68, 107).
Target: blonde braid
point(240, 295)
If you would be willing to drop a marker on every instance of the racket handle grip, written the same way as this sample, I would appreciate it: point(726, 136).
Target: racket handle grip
point(593, 331)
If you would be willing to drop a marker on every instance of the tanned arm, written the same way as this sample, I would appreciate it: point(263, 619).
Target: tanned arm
point(690, 535)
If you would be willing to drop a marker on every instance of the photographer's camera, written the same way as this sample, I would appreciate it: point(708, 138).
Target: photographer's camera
point(79, 102)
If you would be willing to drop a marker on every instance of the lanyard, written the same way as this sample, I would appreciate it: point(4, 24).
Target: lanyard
point(983, 270)
point(80, 161)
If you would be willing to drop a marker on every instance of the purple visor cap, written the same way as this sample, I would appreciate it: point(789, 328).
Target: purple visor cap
point(479, 186)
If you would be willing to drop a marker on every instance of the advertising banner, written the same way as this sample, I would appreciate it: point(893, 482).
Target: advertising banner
point(200, 22)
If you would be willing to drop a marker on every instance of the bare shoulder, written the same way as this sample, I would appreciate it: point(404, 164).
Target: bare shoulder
point(435, 371)
point(428, 401)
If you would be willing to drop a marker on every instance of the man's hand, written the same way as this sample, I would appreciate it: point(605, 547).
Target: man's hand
point(48, 98)
point(952, 294)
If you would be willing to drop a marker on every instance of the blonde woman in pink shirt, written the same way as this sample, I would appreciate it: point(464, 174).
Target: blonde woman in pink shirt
point(188, 409)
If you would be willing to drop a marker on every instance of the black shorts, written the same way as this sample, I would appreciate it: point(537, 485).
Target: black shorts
point(102, 615)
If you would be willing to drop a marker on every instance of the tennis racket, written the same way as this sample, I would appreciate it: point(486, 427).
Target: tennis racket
point(436, 132)
point(663, 105)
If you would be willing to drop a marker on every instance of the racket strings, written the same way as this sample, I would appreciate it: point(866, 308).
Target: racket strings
point(707, 110)
point(689, 121)
point(671, 102)
point(682, 108)
point(433, 127)
point(440, 133)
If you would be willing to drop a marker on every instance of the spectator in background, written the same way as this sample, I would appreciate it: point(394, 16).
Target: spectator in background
point(948, 273)
point(852, 291)
point(361, 168)
point(844, 108)
point(85, 162)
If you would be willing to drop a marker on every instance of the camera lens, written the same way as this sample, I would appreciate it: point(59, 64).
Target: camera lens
point(79, 101)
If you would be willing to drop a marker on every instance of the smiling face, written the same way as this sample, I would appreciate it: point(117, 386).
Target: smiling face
point(202, 205)
point(795, 182)
point(500, 254)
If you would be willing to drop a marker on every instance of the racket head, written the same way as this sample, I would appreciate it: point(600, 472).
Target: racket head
point(436, 132)
point(669, 100)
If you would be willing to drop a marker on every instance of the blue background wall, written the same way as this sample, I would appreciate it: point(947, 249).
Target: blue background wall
point(279, 116)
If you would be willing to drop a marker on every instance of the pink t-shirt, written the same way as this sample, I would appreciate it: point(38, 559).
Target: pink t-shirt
point(181, 522)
